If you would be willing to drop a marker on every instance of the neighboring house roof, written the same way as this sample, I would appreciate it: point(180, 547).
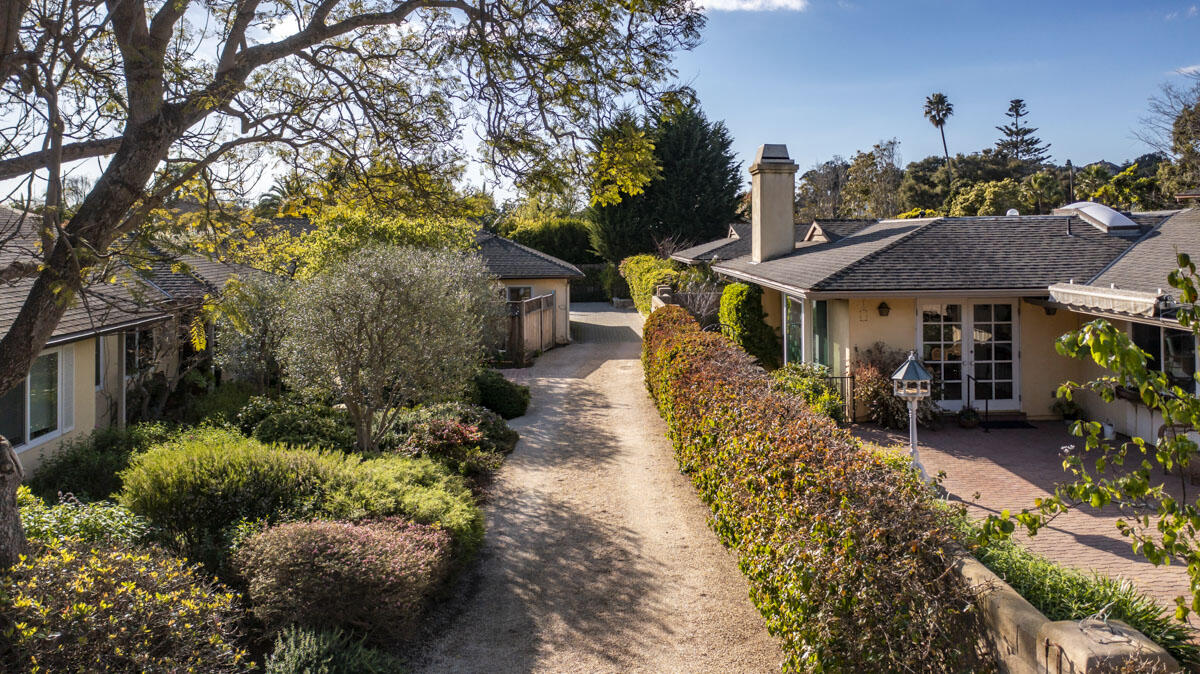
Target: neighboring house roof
point(730, 247)
point(936, 254)
point(510, 260)
point(189, 278)
point(1193, 193)
point(1145, 266)
point(101, 309)
point(834, 230)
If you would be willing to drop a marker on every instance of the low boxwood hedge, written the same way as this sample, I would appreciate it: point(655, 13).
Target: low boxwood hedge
point(846, 553)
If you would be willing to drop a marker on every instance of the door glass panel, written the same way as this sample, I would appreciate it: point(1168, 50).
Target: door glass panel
point(993, 355)
point(941, 347)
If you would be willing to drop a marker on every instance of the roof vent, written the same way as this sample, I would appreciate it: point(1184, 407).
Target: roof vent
point(1012, 211)
point(1101, 217)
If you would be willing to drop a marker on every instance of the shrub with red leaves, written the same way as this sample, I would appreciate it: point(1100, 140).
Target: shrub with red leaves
point(846, 550)
point(371, 577)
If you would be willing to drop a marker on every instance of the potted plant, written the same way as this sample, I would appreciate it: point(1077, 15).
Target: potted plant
point(1069, 410)
point(968, 417)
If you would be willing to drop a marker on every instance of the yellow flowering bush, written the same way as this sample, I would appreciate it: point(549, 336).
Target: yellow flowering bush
point(72, 607)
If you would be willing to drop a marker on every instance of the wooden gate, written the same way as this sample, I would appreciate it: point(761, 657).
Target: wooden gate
point(532, 329)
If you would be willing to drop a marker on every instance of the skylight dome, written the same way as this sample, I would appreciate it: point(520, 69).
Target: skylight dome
point(1100, 216)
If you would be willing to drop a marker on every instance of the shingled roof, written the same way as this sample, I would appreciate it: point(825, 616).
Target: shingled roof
point(510, 260)
point(970, 253)
point(733, 246)
point(1145, 266)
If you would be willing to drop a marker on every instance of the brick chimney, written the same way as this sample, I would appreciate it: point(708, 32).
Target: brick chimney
point(773, 193)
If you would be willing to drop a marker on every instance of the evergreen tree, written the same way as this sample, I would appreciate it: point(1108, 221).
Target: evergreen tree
point(1018, 141)
point(693, 199)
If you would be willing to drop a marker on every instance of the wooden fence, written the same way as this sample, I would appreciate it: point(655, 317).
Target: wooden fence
point(532, 329)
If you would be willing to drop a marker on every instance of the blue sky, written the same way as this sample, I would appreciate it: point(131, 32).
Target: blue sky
point(835, 76)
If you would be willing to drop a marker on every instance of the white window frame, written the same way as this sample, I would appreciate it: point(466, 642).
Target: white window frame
point(66, 403)
point(1162, 349)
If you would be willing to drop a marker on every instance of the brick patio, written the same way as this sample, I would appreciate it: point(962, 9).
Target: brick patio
point(1009, 468)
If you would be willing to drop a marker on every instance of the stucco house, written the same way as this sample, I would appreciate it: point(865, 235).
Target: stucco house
point(110, 337)
point(527, 273)
point(980, 299)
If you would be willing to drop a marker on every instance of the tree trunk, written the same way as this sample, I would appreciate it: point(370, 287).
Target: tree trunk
point(12, 536)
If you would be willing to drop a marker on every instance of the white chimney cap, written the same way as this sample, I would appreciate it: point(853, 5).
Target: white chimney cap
point(1013, 211)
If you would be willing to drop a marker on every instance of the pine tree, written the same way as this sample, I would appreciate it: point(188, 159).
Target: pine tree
point(1018, 141)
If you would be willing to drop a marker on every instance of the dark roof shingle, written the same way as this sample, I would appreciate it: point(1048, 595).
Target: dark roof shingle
point(1147, 263)
point(510, 260)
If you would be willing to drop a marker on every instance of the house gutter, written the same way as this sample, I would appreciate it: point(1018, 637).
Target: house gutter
point(107, 330)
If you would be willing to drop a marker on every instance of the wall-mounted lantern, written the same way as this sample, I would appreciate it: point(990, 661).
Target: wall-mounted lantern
point(884, 309)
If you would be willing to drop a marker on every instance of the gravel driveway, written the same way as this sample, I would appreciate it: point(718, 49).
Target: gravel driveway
point(597, 556)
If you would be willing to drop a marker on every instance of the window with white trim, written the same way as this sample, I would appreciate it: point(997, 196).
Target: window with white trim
point(99, 364)
point(1169, 350)
point(41, 406)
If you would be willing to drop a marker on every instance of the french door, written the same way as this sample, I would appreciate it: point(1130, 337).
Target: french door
point(972, 348)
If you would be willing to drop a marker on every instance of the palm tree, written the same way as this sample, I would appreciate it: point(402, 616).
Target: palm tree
point(938, 109)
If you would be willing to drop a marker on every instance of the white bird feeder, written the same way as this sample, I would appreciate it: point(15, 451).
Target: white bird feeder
point(911, 383)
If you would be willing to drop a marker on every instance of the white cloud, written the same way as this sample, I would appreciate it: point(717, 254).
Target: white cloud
point(1193, 11)
point(1189, 13)
point(754, 5)
point(1189, 70)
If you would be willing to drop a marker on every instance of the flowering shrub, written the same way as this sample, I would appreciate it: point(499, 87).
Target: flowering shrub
point(72, 518)
point(470, 440)
point(846, 553)
point(872, 372)
point(70, 607)
point(373, 577)
point(204, 484)
point(301, 651)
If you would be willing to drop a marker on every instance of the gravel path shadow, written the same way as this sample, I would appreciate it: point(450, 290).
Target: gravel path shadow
point(597, 557)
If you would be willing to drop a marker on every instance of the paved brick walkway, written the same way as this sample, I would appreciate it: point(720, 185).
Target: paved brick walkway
point(1010, 468)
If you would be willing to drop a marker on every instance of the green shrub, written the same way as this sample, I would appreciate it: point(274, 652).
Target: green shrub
point(89, 467)
point(1066, 594)
point(563, 237)
point(71, 518)
point(220, 406)
point(495, 392)
point(614, 284)
point(845, 553)
point(811, 382)
point(373, 577)
point(301, 651)
point(301, 427)
point(76, 608)
point(203, 486)
point(644, 273)
point(420, 490)
point(468, 439)
point(744, 320)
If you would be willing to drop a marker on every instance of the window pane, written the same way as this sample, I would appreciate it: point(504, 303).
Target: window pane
point(1003, 352)
point(953, 313)
point(12, 415)
point(130, 341)
point(1003, 332)
point(931, 316)
point(1180, 360)
point(983, 391)
point(983, 352)
point(952, 391)
point(1003, 312)
point(1146, 338)
point(145, 350)
point(952, 372)
point(1004, 371)
point(983, 370)
point(99, 364)
point(43, 396)
point(931, 333)
point(983, 312)
point(1004, 390)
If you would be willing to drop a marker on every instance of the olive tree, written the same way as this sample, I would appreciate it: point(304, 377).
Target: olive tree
point(250, 328)
point(388, 327)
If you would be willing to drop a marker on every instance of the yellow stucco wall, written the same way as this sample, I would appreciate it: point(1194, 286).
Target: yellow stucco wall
point(1042, 368)
point(772, 303)
point(84, 400)
point(562, 298)
point(898, 329)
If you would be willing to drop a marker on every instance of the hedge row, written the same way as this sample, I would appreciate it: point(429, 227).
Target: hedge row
point(845, 549)
point(644, 273)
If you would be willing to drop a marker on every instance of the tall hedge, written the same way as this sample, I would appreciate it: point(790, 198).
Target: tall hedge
point(846, 552)
point(644, 273)
point(745, 323)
